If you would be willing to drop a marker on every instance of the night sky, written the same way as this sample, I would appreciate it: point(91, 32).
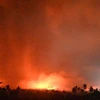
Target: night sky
point(50, 40)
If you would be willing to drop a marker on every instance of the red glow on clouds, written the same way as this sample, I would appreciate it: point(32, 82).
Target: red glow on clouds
point(49, 36)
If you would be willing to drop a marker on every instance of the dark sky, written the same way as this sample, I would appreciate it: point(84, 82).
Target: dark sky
point(59, 37)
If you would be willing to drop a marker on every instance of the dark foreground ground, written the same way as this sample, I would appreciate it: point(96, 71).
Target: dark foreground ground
point(20, 94)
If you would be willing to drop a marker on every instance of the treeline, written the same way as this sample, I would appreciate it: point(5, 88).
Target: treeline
point(77, 93)
point(84, 88)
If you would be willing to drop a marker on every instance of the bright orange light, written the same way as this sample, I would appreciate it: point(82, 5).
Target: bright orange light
point(41, 85)
point(44, 85)
point(49, 82)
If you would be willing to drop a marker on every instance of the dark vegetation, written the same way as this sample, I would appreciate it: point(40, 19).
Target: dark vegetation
point(77, 93)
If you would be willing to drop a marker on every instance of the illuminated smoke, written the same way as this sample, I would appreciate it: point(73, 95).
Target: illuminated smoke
point(52, 81)
point(49, 37)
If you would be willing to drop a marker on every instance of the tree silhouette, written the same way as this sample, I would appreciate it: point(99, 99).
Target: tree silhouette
point(7, 88)
point(18, 88)
point(78, 89)
point(84, 86)
point(96, 90)
point(74, 89)
point(91, 89)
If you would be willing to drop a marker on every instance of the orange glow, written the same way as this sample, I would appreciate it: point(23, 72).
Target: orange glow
point(49, 82)
point(50, 36)
point(42, 85)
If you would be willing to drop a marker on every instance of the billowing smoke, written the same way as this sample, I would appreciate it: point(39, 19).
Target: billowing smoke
point(56, 41)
